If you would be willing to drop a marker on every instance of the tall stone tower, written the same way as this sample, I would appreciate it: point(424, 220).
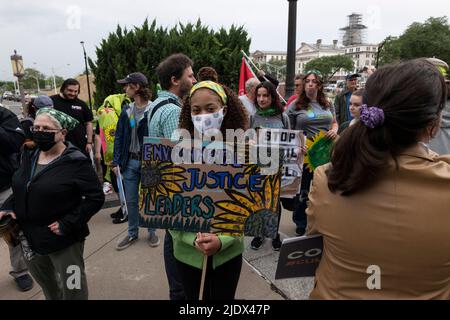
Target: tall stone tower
point(354, 32)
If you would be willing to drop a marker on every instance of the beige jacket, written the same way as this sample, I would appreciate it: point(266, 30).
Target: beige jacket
point(401, 225)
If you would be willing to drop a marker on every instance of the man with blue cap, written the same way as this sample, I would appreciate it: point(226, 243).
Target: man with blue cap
point(342, 101)
point(33, 106)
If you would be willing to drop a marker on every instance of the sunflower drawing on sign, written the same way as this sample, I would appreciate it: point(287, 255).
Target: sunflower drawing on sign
point(161, 178)
point(252, 169)
point(110, 133)
point(319, 151)
point(252, 215)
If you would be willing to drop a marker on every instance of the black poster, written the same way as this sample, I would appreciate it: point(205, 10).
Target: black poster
point(299, 257)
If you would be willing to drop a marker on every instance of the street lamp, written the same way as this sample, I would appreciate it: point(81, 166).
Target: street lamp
point(87, 75)
point(19, 72)
point(291, 49)
point(54, 78)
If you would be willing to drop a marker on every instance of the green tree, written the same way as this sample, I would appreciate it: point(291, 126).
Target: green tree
point(58, 79)
point(276, 68)
point(328, 66)
point(144, 47)
point(428, 39)
point(31, 79)
point(6, 86)
point(389, 51)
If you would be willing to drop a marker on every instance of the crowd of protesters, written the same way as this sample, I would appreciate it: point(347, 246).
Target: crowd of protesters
point(383, 196)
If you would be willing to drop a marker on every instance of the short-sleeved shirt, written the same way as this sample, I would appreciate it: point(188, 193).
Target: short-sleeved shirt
point(79, 110)
point(165, 120)
point(312, 120)
point(279, 121)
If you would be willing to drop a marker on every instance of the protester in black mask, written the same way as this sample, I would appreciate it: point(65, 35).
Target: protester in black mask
point(55, 193)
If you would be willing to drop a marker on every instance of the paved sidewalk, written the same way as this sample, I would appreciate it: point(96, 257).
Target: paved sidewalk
point(136, 273)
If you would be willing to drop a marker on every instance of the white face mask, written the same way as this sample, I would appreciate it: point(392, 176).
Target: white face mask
point(208, 123)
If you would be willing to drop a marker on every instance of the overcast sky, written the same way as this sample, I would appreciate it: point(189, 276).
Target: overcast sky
point(47, 33)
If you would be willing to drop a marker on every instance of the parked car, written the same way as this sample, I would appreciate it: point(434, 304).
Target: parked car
point(8, 95)
point(330, 87)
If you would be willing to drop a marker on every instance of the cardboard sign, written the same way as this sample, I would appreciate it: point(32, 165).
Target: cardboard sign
point(289, 142)
point(299, 257)
point(228, 199)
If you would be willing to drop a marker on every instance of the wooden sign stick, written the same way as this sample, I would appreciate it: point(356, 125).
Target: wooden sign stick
point(202, 283)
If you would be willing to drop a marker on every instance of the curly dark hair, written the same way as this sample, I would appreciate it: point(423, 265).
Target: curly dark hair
point(235, 118)
point(144, 92)
point(207, 73)
point(303, 101)
point(273, 93)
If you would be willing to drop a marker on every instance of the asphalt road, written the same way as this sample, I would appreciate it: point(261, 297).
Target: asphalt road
point(15, 107)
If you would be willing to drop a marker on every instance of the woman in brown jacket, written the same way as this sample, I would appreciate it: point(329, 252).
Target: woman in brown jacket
point(383, 204)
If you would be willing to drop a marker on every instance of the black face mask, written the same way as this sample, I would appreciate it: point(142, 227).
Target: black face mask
point(44, 140)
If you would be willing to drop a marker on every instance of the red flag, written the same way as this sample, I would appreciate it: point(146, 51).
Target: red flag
point(245, 74)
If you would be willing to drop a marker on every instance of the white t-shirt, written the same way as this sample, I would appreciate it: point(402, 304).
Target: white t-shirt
point(251, 109)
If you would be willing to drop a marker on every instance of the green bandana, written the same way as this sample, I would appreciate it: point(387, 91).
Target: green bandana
point(268, 112)
point(66, 121)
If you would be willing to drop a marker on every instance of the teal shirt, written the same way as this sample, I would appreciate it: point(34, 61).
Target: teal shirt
point(165, 120)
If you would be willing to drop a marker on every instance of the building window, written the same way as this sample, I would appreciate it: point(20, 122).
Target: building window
point(367, 63)
point(358, 49)
point(368, 48)
point(367, 55)
point(351, 50)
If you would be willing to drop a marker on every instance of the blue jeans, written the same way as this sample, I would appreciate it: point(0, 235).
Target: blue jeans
point(131, 178)
point(299, 214)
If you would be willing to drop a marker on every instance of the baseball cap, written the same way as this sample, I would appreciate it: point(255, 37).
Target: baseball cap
point(43, 102)
point(352, 75)
point(136, 77)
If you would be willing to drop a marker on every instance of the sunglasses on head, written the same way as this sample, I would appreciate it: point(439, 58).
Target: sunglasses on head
point(316, 72)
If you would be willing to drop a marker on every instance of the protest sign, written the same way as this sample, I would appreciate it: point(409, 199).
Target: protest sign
point(289, 143)
point(299, 257)
point(319, 151)
point(228, 199)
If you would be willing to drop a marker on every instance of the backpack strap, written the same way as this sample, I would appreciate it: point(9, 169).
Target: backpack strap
point(161, 104)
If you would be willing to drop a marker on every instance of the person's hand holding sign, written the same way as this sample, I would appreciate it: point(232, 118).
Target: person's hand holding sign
point(208, 243)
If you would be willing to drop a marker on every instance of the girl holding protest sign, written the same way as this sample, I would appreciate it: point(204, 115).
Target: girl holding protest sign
point(312, 113)
point(210, 106)
point(269, 114)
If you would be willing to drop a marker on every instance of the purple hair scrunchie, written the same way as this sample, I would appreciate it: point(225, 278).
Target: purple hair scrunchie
point(371, 117)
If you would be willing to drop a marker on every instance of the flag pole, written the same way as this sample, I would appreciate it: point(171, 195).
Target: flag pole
point(248, 59)
point(257, 69)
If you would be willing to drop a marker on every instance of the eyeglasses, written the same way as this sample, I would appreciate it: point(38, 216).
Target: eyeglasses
point(34, 129)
